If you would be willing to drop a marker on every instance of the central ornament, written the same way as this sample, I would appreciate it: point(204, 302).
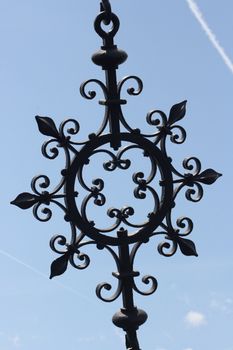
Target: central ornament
point(73, 194)
point(77, 210)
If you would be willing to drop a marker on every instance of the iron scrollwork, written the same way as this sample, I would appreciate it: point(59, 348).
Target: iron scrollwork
point(163, 184)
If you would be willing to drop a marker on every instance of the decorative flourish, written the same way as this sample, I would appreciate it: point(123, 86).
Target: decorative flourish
point(91, 93)
point(115, 162)
point(163, 183)
point(131, 91)
point(108, 287)
point(166, 126)
point(147, 280)
point(194, 178)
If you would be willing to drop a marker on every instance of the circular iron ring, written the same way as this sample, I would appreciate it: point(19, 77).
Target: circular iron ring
point(166, 201)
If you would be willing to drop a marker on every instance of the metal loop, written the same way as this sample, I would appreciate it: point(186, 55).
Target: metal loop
point(105, 6)
point(109, 34)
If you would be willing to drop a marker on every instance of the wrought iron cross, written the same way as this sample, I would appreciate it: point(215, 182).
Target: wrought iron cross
point(115, 139)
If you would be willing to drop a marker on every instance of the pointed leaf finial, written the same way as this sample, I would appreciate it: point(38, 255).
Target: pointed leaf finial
point(47, 126)
point(177, 112)
point(25, 200)
point(187, 247)
point(209, 176)
point(59, 266)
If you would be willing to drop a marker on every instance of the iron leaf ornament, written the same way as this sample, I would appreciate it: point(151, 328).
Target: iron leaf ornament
point(59, 266)
point(47, 126)
point(114, 140)
point(177, 112)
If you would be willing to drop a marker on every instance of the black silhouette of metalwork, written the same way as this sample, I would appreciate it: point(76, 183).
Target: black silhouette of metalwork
point(164, 183)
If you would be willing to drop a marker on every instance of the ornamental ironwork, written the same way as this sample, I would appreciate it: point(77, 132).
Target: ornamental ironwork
point(115, 139)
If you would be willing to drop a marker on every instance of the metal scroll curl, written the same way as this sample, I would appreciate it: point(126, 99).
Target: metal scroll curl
point(147, 279)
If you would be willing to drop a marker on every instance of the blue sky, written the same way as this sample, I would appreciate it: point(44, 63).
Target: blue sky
point(45, 55)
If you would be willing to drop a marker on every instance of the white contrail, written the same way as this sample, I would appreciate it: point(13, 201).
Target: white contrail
point(29, 267)
point(199, 16)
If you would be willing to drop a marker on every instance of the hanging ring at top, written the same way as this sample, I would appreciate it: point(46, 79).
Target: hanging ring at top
point(105, 6)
